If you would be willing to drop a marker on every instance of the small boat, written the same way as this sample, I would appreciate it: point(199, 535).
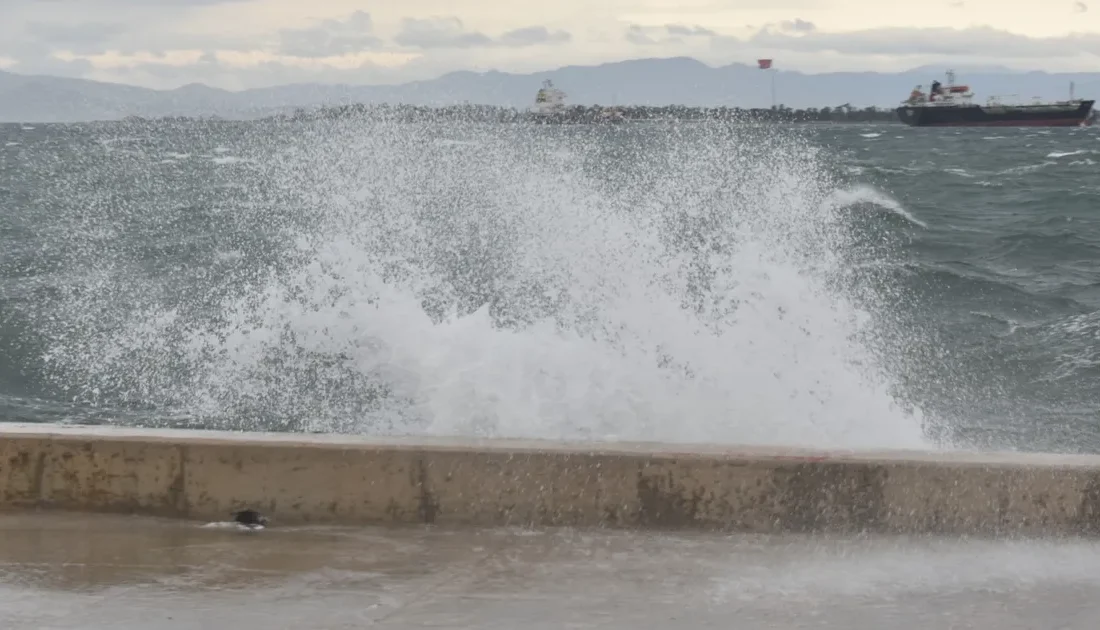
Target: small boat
point(549, 100)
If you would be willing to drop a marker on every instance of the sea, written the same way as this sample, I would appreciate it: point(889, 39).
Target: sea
point(833, 286)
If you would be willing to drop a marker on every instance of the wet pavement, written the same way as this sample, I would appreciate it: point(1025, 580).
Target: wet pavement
point(108, 572)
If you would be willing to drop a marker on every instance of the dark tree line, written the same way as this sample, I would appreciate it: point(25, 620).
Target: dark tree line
point(590, 114)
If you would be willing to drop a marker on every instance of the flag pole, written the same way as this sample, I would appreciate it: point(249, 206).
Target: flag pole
point(773, 86)
point(767, 66)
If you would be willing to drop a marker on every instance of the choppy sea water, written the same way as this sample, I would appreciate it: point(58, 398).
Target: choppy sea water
point(814, 285)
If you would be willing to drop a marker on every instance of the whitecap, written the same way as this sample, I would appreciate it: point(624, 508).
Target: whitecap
point(228, 159)
point(867, 194)
point(1061, 154)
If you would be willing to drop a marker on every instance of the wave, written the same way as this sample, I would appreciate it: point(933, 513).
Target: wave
point(687, 294)
point(1062, 154)
point(864, 194)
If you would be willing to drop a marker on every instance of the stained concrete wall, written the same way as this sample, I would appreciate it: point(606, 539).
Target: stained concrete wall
point(333, 479)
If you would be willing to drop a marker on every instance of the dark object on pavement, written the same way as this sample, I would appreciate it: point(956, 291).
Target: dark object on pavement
point(250, 518)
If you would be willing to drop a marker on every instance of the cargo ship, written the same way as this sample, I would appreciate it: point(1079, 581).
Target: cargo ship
point(952, 105)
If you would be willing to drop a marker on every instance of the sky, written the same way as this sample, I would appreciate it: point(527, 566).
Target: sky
point(239, 44)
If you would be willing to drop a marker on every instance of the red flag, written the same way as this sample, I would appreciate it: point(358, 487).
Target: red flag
point(764, 63)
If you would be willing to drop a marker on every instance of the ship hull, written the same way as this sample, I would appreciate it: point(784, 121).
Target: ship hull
point(1049, 115)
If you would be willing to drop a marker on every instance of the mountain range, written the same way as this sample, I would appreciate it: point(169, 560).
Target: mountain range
point(677, 80)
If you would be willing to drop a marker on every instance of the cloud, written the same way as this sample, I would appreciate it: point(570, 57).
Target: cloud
point(439, 32)
point(30, 29)
point(185, 3)
point(213, 69)
point(532, 36)
point(797, 25)
point(904, 41)
point(689, 31)
point(153, 50)
point(84, 38)
point(664, 35)
point(330, 37)
point(49, 65)
point(249, 42)
point(144, 3)
point(449, 32)
point(637, 35)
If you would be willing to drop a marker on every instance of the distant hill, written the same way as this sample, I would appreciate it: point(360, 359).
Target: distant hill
point(677, 80)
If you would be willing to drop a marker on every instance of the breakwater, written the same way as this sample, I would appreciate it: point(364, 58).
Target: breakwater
point(459, 481)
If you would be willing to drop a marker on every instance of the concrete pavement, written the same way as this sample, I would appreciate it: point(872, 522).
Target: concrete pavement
point(70, 571)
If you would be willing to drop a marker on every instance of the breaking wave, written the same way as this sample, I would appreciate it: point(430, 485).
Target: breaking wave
point(672, 285)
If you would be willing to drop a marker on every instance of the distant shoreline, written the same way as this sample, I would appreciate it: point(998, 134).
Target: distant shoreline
point(589, 114)
point(572, 115)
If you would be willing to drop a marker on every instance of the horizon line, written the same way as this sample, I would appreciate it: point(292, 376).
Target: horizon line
point(775, 68)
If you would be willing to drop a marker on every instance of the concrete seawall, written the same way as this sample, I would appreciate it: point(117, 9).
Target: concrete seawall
point(341, 479)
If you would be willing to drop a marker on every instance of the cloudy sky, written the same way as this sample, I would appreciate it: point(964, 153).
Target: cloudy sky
point(238, 44)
